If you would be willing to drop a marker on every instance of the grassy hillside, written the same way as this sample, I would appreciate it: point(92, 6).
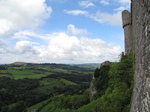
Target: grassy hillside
point(21, 70)
point(114, 86)
point(65, 88)
point(89, 65)
point(31, 86)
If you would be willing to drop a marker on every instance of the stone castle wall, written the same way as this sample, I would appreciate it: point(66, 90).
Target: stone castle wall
point(127, 25)
point(140, 36)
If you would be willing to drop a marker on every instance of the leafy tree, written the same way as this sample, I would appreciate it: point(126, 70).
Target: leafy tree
point(3, 67)
point(96, 73)
point(118, 94)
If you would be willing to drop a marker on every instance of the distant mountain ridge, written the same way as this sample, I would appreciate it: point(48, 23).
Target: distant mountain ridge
point(93, 65)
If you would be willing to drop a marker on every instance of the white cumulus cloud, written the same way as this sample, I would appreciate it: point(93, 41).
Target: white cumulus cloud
point(73, 30)
point(104, 2)
point(22, 47)
point(17, 14)
point(60, 48)
point(101, 17)
point(71, 49)
point(113, 19)
point(76, 12)
point(86, 4)
point(3, 46)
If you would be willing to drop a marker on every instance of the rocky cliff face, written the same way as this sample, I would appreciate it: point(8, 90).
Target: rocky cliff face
point(140, 34)
point(99, 80)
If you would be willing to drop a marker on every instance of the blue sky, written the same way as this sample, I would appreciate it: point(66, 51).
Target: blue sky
point(61, 31)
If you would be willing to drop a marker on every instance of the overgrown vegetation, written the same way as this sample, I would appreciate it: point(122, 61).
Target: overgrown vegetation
point(114, 84)
point(65, 88)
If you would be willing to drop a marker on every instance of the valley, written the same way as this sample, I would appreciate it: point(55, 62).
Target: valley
point(34, 86)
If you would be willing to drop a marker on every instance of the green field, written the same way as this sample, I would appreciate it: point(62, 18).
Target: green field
point(33, 74)
point(67, 82)
point(20, 70)
point(38, 105)
point(31, 86)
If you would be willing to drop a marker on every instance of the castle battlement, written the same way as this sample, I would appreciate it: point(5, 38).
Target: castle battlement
point(127, 25)
point(126, 18)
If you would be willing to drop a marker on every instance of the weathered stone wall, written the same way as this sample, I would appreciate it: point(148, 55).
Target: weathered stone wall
point(127, 25)
point(140, 13)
